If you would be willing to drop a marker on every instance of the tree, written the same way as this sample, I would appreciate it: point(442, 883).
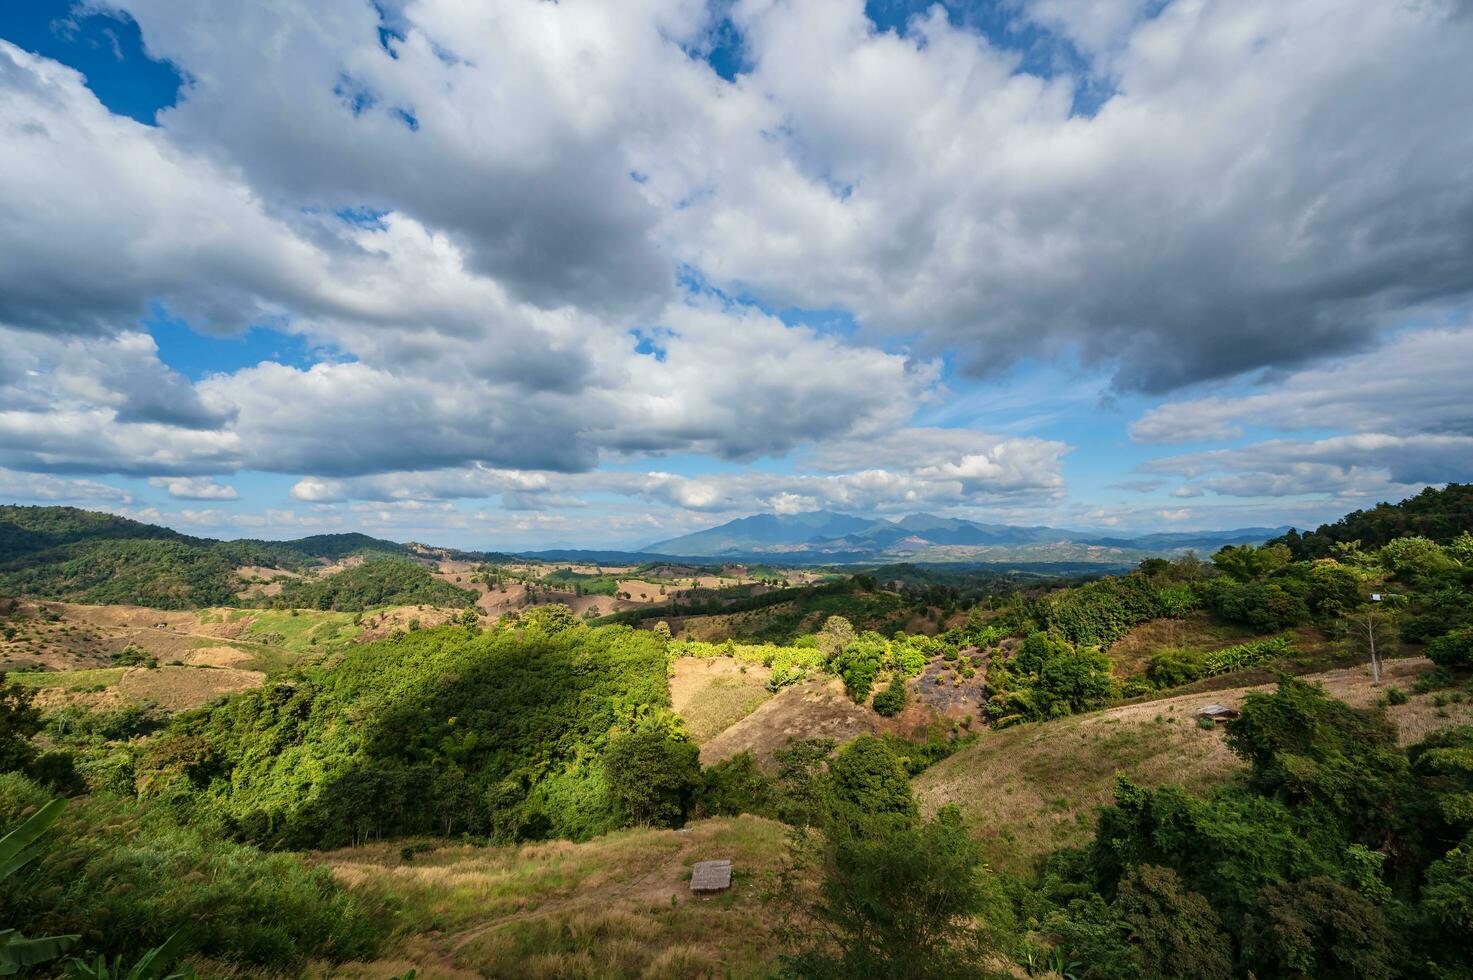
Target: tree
point(800, 771)
point(734, 786)
point(1174, 932)
point(1308, 749)
point(19, 721)
point(866, 778)
point(1447, 910)
point(653, 777)
point(1373, 628)
point(901, 902)
point(1246, 563)
point(1318, 928)
point(837, 633)
point(893, 699)
point(662, 630)
point(1453, 650)
point(551, 618)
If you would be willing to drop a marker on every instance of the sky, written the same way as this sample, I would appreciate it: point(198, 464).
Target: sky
point(515, 274)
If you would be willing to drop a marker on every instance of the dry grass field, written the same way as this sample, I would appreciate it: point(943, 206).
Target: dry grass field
point(1030, 789)
point(618, 906)
point(171, 687)
point(713, 693)
point(1131, 653)
point(816, 708)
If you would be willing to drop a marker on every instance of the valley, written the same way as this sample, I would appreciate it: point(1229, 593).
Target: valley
point(495, 766)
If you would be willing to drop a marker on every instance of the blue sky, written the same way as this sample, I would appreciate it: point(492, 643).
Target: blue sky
point(415, 270)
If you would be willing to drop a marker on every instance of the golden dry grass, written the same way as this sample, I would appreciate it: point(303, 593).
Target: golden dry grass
point(1030, 789)
point(814, 709)
point(713, 693)
point(170, 687)
point(618, 906)
point(1130, 654)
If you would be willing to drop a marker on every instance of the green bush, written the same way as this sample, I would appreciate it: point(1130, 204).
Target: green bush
point(377, 582)
point(126, 879)
point(1453, 651)
point(1266, 607)
point(734, 786)
point(653, 777)
point(1173, 668)
point(893, 699)
point(133, 655)
point(866, 778)
point(1245, 655)
point(898, 899)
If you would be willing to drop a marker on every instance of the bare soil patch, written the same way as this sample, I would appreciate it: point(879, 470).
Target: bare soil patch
point(956, 696)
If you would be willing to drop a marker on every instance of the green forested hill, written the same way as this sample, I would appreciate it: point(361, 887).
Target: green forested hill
point(377, 582)
point(87, 556)
point(1440, 515)
point(437, 732)
point(27, 530)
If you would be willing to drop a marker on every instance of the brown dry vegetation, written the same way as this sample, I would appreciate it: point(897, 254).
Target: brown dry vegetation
point(1033, 788)
point(1132, 652)
point(713, 693)
point(617, 906)
point(67, 636)
point(814, 709)
point(171, 687)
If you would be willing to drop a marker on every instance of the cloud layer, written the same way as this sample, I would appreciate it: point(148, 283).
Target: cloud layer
point(546, 254)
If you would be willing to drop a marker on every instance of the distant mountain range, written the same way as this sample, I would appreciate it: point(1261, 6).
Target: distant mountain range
point(826, 536)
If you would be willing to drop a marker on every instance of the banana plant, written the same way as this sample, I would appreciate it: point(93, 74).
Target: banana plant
point(153, 965)
point(17, 848)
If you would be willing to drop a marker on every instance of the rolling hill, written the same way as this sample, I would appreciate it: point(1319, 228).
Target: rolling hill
point(92, 557)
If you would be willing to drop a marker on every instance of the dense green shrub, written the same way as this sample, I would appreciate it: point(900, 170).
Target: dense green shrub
point(1446, 909)
point(867, 778)
point(1265, 607)
point(898, 898)
point(893, 699)
point(653, 777)
point(1173, 931)
point(126, 879)
point(1453, 651)
point(859, 663)
point(1242, 656)
point(1048, 678)
point(1099, 613)
point(734, 786)
point(1173, 668)
point(377, 582)
point(1318, 928)
point(1439, 514)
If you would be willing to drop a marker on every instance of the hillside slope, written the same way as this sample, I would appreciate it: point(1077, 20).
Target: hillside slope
point(618, 906)
point(91, 557)
point(1030, 789)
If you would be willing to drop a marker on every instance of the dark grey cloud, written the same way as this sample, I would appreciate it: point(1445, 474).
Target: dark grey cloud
point(1271, 184)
